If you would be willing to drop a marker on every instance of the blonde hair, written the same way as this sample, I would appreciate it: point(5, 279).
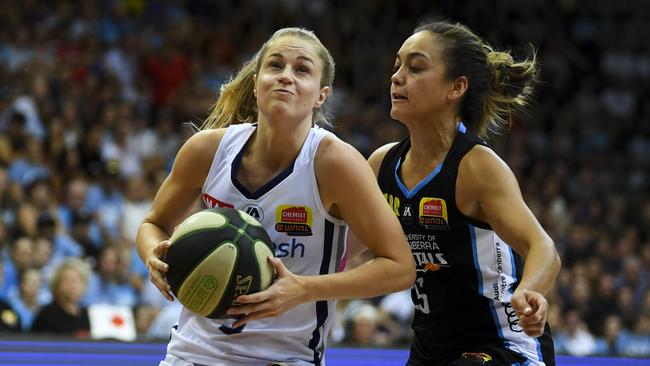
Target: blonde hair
point(237, 103)
point(498, 85)
point(79, 265)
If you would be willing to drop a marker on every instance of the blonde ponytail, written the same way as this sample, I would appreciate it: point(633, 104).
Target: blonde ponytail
point(510, 88)
point(236, 103)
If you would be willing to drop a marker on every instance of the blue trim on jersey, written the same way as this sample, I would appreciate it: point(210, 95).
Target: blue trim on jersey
point(472, 234)
point(514, 270)
point(420, 185)
point(462, 128)
point(263, 189)
point(540, 356)
point(495, 317)
point(427, 179)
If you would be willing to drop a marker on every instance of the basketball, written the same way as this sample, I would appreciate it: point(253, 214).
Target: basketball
point(216, 255)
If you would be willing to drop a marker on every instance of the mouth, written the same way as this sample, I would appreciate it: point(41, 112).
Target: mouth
point(395, 97)
point(283, 91)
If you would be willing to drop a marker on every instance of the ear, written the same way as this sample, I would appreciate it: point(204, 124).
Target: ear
point(255, 85)
point(322, 96)
point(458, 88)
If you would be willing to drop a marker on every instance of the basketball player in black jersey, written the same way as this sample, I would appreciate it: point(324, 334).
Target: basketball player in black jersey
point(483, 261)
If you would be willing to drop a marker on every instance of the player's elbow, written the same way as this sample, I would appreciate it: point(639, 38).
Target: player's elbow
point(556, 263)
point(407, 276)
point(409, 279)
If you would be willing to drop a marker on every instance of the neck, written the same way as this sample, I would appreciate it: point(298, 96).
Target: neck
point(277, 143)
point(30, 302)
point(431, 139)
point(70, 307)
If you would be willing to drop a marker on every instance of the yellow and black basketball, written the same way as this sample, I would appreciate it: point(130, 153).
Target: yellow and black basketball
point(216, 255)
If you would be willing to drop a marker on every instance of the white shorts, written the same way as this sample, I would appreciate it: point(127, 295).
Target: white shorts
point(175, 361)
point(171, 360)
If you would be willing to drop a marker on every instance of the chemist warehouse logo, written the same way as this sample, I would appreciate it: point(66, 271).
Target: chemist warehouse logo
point(433, 213)
point(293, 220)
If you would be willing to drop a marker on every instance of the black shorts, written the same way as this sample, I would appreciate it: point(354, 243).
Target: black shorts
point(487, 355)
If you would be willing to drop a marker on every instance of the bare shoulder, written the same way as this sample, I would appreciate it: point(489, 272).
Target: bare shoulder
point(482, 159)
point(333, 152)
point(378, 155)
point(340, 169)
point(206, 140)
point(195, 157)
point(480, 163)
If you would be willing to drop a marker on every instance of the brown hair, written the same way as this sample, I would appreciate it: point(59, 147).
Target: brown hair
point(237, 103)
point(498, 84)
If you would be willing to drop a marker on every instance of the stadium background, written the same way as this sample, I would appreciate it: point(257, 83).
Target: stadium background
point(94, 96)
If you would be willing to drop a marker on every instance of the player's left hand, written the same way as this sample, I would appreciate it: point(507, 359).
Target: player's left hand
point(287, 291)
point(531, 308)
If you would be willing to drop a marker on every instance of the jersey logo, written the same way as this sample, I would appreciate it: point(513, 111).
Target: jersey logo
point(477, 356)
point(407, 214)
point(255, 211)
point(433, 213)
point(393, 202)
point(293, 220)
point(211, 202)
point(431, 267)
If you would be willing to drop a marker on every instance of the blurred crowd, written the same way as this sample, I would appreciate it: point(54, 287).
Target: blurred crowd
point(97, 96)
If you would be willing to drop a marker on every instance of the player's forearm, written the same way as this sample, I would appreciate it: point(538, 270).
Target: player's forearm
point(541, 268)
point(148, 236)
point(376, 277)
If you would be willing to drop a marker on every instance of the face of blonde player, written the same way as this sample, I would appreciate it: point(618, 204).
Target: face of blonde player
point(419, 87)
point(287, 85)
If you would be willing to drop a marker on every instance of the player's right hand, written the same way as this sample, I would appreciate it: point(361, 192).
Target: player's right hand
point(532, 309)
point(157, 268)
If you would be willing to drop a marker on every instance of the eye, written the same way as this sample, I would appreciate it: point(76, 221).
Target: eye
point(414, 70)
point(303, 69)
point(274, 65)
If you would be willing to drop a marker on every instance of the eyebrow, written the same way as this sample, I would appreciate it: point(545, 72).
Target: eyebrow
point(299, 57)
point(413, 55)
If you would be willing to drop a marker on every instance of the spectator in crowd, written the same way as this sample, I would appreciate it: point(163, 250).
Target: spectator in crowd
point(19, 260)
point(9, 318)
point(65, 314)
point(613, 336)
point(575, 339)
point(108, 284)
point(27, 299)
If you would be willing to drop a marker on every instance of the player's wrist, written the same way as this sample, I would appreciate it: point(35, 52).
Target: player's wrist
point(309, 285)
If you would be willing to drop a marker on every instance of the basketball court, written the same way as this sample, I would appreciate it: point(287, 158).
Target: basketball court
point(70, 353)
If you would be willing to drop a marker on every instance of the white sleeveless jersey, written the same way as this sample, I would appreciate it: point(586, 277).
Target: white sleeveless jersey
point(305, 237)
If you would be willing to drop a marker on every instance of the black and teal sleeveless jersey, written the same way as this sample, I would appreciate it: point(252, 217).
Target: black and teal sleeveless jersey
point(465, 273)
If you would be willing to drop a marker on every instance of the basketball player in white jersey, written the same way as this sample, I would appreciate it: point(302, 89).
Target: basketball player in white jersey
point(304, 185)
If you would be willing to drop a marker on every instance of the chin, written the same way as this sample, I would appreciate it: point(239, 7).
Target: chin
point(397, 115)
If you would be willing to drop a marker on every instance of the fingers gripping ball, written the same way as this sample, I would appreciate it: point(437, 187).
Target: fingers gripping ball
point(216, 255)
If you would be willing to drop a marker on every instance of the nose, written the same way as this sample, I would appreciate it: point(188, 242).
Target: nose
point(397, 78)
point(286, 76)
